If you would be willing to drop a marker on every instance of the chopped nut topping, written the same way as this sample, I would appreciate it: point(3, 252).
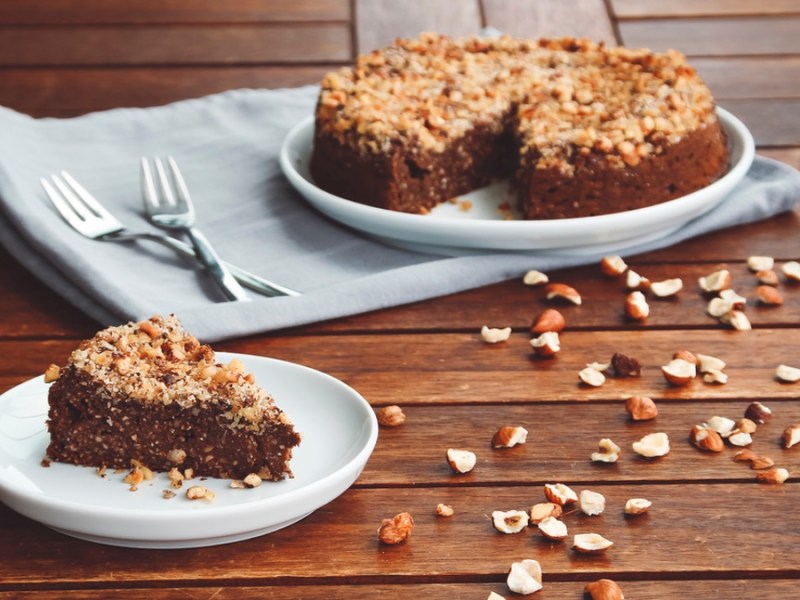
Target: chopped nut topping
point(52, 373)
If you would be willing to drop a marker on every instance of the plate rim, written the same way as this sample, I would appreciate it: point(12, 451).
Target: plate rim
point(333, 484)
point(480, 233)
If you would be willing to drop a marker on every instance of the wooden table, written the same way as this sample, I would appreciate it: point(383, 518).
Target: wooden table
point(713, 531)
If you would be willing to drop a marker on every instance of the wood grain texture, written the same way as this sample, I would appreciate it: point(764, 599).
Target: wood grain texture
point(626, 9)
point(71, 12)
point(547, 18)
point(379, 22)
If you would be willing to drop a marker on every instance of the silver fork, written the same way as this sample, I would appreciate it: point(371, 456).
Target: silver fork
point(171, 207)
point(90, 218)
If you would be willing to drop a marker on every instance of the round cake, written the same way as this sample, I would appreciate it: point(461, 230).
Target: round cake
point(579, 128)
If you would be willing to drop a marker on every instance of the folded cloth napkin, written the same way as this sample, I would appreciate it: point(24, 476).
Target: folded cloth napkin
point(227, 146)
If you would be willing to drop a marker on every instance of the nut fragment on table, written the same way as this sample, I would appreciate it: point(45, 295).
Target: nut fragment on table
point(791, 435)
point(591, 503)
point(604, 589)
point(461, 461)
point(509, 436)
point(667, 287)
point(791, 270)
point(534, 277)
point(525, 577)
point(494, 596)
point(540, 511)
point(787, 374)
point(562, 291)
point(706, 362)
point(444, 510)
point(715, 376)
point(768, 277)
point(590, 543)
point(641, 408)
point(397, 529)
point(547, 344)
point(391, 416)
point(653, 445)
point(559, 493)
point(591, 377)
point(769, 295)
point(626, 366)
point(637, 506)
point(716, 281)
point(634, 281)
point(636, 306)
point(494, 335)
point(607, 452)
point(776, 476)
point(509, 521)
point(706, 438)
point(737, 320)
point(613, 265)
point(552, 528)
point(758, 412)
point(549, 319)
point(760, 263)
point(679, 372)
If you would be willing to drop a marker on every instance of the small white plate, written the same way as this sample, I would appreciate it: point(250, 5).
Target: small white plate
point(339, 431)
point(449, 230)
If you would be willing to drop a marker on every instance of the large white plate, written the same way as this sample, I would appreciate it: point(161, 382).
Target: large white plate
point(339, 432)
point(450, 230)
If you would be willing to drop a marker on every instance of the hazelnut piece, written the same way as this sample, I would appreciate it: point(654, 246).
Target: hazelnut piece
point(637, 506)
point(716, 281)
point(679, 372)
point(641, 408)
point(590, 543)
point(562, 291)
point(591, 503)
point(608, 452)
point(592, 377)
point(397, 529)
point(760, 263)
point(758, 413)
point(552, 528)
point(777, 476)
point(560, 494)
point(791, 435)
point(613, 266)
point(604, 589)
point(525, 577)
point(706, 438)
point(542, 510)
point(652, 445)
point(535, 278)
point(509, 436)
point(787, 374)
point(494, 335)
point(626, 366)
point(666, 288)
point(636, 306)
point(548, 320)
point(547, 344)
point(391, 416)
point(510, 521)
point(461, 461)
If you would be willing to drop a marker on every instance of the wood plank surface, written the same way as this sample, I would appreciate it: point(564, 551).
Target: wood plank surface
point(713, 531)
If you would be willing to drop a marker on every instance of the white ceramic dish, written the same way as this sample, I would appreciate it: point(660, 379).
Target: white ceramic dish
point(339, 432)
point(450, 230)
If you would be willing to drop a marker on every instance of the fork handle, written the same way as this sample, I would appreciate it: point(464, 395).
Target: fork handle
point(252, 281)
point(211, 261)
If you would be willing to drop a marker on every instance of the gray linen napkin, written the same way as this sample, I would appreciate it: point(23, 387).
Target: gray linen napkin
point(227, 145)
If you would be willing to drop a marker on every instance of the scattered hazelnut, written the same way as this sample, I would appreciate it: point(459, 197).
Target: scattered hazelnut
point(525, 577)
point(740, 438)
point(552, 528)
point(735, 301)
point(666, 288)
point(641, 408)
point(652, 445)
point(535, 278)
point(608, 452)
point(626, 366)
point(761, 462)
point(634, 281)
point(52, 373)
point(560, 494)
point(706, 363)
point(758, 413)
point(722, 425)
point(679, 372)
point(604, 589)
point(687, 356)
point(397, 529)
point(391, 416)
point(547, 344)
point(787, 374)
point(542, 510)
point(775, 475)
point(509, 436)
point(592, 377)
point(768, 277)
point(590, 543)
point(548, 320)
point(706, 438)
point(637, 506)
point(510, 521)
point(792, 270)
point(461, 461)
point(791, 435)
point(591, 503)
point(737, 319)
point(493, 335)
point(494, 596)
point(444, 510)
point(769, 295)
point(760, 263)
point(716, 281)
point(613, 266)
point(715, 376)
point(636, 306)
point(745, 425)
point(562, 291)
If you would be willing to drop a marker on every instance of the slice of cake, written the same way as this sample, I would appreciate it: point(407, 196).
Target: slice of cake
point(151, 392)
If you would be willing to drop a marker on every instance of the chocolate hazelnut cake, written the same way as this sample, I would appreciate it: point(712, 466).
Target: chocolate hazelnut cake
point(580, 128)
point(151, 392)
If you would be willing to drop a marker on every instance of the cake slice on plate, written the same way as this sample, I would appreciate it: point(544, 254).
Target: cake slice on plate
point(151, 392)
